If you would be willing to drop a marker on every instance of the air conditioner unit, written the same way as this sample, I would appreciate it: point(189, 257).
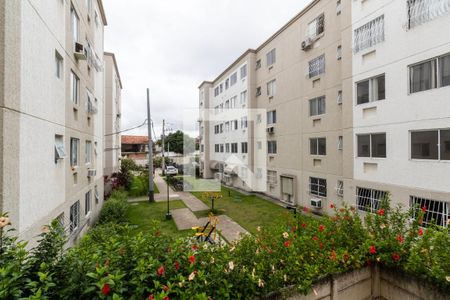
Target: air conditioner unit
point(92, 172)
point(270, 129)
point(306, 44)
point(80, 52)
point(317, 203)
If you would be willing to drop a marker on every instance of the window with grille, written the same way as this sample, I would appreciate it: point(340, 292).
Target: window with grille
point(372, 145)
point(436, 212)
point(271, 88)
point(74, 216)
point(318, 186)
point(271, 177)
point(369, 199)
point(271, 57)
point(316, 66)
point(340, 188)
point(216, 148)
point(317, 106)
point(271, 147)
point(233, 79)
point(370, 90)
point(318, 146)
point(369, 34)
point(431, 144)
point(422, 11)
point(431, 74)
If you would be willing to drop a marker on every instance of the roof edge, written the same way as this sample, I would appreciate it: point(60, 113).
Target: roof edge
point(102, 12)
point(115, 65)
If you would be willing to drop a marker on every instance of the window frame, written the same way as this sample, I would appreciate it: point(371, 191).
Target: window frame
point(416, 203)
point(375, 202)
point(88, 152)
point(436, 76)
point(87, 202)
point(317, 186)
point(74, 217)
point(74, 88)
point(320, 70)
point(271, 88)
point(371, 145)
point(371, 88)
point(272, 147)
point(439, 145)
point(317, 101)
point(271, 57)
point(74, 161)
point(317, 147)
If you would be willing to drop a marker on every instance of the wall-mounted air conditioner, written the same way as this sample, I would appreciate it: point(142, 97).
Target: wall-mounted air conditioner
point(80, 52)
point(270, 129)
point(317, 203)
point(306, 44)
point(92, 172)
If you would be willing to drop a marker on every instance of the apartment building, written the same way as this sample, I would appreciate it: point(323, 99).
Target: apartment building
point(51, 114)
point(299, 93)
point(354, 98)
point(401, 119)
point(113, 112)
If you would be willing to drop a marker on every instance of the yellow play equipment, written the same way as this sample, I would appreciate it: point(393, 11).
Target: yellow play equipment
point(208, 232)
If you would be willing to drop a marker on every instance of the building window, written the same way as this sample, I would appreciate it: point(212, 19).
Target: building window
point(74, 88)
point(271, 147)
point(234, 148)
point(432, 144)
point(243, 71)
point(339, 97)
point(221, 148)
point(316, 27)
point(74, 151)
point(244, 123)
point(317, 106)
point(340, 142)
point(227, 148)
point(87, 202)
point(436, 212)
point(338, 7)
point(422, 11)
point(227, 84)
point(258, 64)
point(369, 199)
point(271, 117)
point(216, 148)
point(271, 57)
point(318, 146)
point(244, 147)
point(271, 88)
point(244, 97)
point(287, 189)
point(272, 177)
point(221, 128)
point(60, 153)
point(369, 34)
point(370, 90)
point(88, 152)
point(340, 188)
point(97, 196)
point(216, 92)
point(317, 66)
point(60, 220)
point(75, 24)
point(59, 68)
point(426, 75)
point(372, 145)
point(233, 79)
point(318, 186)
point(258, 91)
point(235, 122)
point(339, 52)
point(74, 216)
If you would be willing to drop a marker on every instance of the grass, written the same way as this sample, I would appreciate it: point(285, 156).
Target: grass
point(249, 211)
point(200, 184)
point(142, 215)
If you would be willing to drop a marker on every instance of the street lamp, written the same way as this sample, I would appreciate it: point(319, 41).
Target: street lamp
point(168, 214)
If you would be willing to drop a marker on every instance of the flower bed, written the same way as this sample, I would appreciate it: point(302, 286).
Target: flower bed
point(111, 263)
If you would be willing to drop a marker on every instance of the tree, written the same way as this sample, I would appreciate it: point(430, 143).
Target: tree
point(179, 142)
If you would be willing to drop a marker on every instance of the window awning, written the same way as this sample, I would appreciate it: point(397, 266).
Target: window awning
point(231, 169)
point(214, 165)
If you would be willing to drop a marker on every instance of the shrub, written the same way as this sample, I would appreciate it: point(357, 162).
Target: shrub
point(115, 208)
point(139, 185)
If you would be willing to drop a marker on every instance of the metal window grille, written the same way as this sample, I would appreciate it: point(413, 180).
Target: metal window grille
point(317, 66)
point(74, 216)
point(437, 212)
point(340, 188)
point(318, 186)
point(369, 199)
point(369, 34)
point(422, 11)
point(271, 177)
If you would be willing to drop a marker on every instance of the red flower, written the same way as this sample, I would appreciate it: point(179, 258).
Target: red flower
point(287, 243)
point(400, 239)
point(321, 245)
point(177, 265)
point(192, 259)
point(395, 256)
point(293, 228)
point(166, 298)
point(420, 231)
point(315, 238)
point(372, 250)
point(305, 209)
point(150, 297)
point(106, 289)
point(160, 271)
point(333, 255)
point(304, 225)
point(424, 208)
point(331, 205)
point(194, 248)
point(341, 209)
point(165, 288)
point(321, 228)
point(380, 212)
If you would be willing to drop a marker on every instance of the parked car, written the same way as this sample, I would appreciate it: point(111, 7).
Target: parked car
point(171, 170)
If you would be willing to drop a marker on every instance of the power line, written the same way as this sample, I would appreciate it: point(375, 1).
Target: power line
point(145, 122)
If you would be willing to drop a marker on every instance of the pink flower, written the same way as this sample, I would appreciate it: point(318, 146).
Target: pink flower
point(372, 250)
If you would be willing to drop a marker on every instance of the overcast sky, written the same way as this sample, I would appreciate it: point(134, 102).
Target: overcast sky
point(171, 46)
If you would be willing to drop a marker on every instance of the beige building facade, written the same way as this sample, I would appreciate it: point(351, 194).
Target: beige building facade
point(52, 103)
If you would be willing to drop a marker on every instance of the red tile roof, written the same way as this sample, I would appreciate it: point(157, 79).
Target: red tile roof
point(134, 139)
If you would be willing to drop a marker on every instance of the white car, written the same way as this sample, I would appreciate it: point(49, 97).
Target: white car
point(171, 170)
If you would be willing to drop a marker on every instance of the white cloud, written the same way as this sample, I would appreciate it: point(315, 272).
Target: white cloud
point(171, 46)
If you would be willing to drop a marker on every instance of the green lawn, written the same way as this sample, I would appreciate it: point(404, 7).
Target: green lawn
point(200, 184)
point(249, 211)
point(142, 214)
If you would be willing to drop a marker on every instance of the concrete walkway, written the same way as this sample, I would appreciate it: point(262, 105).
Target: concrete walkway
point(228, 228)
point(184, 218)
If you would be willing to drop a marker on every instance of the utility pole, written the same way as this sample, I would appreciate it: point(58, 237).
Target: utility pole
point(151, 192)
point(168, 215)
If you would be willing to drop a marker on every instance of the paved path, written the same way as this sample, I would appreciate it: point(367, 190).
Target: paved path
point(184, 218)
point(228, 228)
point(192, 202)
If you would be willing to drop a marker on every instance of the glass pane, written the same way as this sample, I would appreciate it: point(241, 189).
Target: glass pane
point(321, 105)
point(380, 91)
point(323, 187)
point(313, 146)
point(379, 145)
point(313, 107)
point(421, 77)
point(363, 145)
point(445, 144)
point(363, 92)
point(444, 70)
point(322, 146)
point(424, 145)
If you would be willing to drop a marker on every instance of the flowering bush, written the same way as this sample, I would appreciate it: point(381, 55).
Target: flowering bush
point(112, 263)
